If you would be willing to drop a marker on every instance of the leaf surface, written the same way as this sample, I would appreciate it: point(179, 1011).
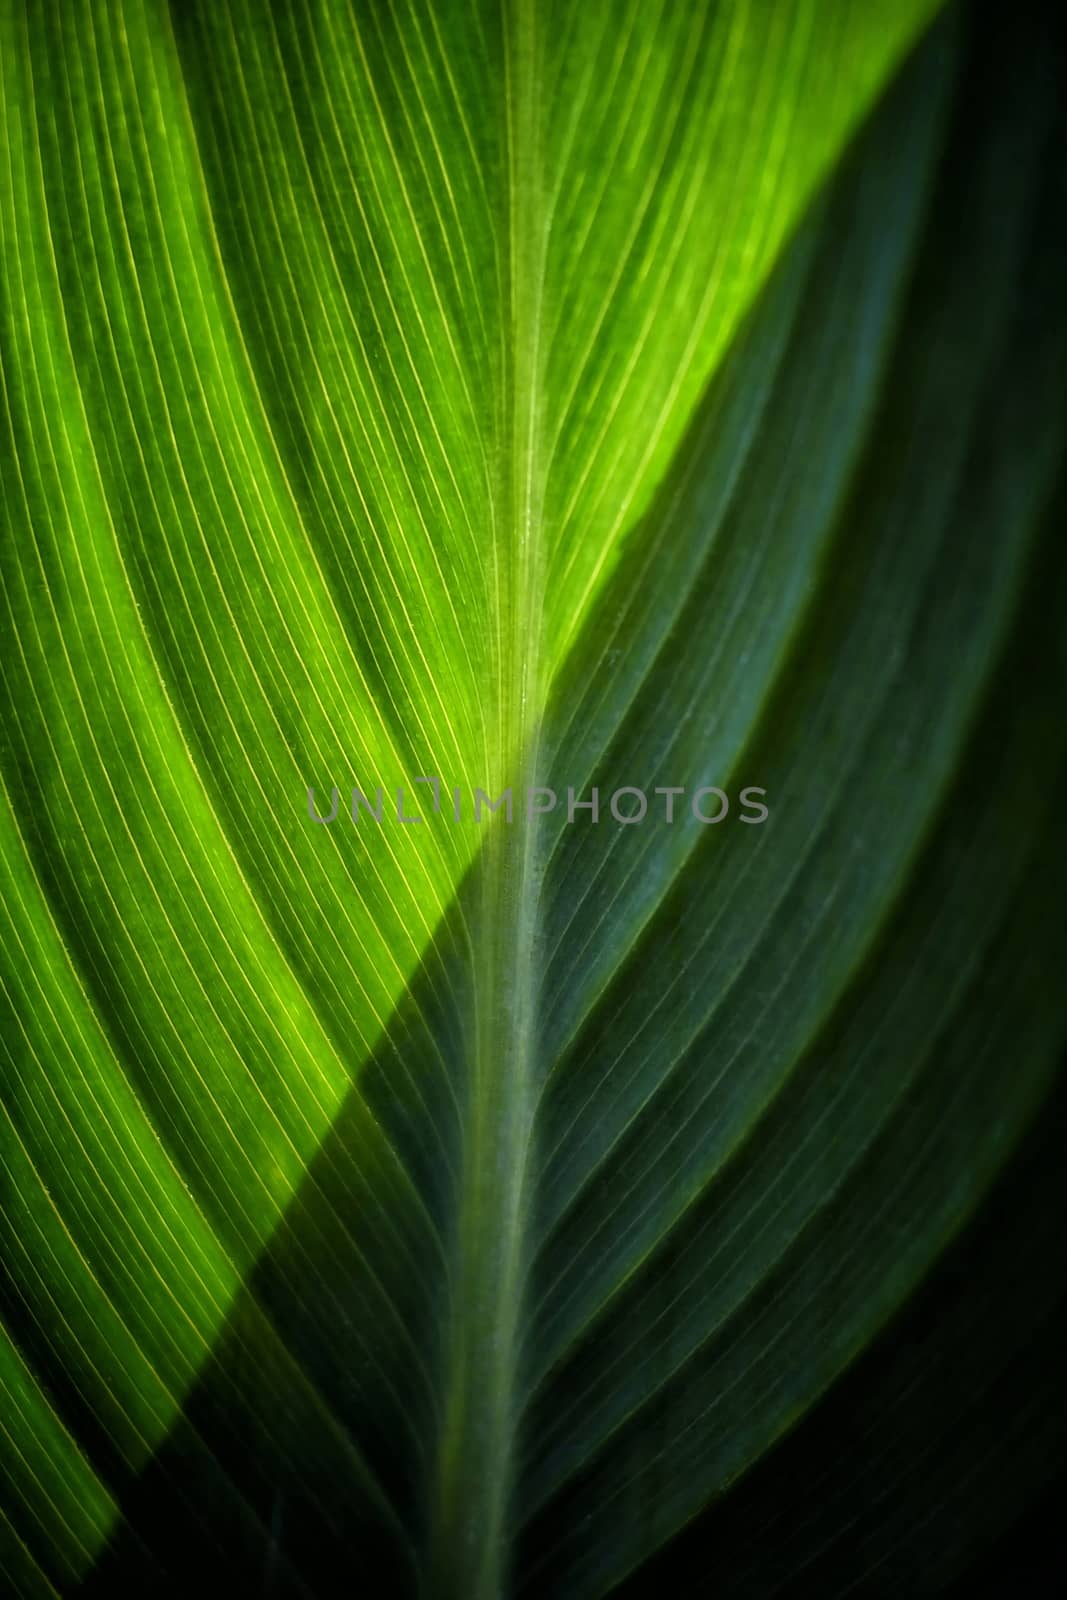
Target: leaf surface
point(615, 397)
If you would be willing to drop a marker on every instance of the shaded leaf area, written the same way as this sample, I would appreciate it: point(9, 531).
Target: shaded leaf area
point(922, 1470)
point(783, 1224)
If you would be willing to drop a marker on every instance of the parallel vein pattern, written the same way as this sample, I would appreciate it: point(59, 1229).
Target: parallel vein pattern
point(615, 395)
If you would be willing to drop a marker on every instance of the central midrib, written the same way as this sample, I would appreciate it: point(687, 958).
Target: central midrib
point(469, 1556)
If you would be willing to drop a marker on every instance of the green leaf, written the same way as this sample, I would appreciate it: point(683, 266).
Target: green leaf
point(525, 398)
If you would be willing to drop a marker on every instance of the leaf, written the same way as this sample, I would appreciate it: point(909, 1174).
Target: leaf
point(520, 399)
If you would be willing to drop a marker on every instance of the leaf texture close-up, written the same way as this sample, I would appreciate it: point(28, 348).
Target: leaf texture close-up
point(532, 687)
